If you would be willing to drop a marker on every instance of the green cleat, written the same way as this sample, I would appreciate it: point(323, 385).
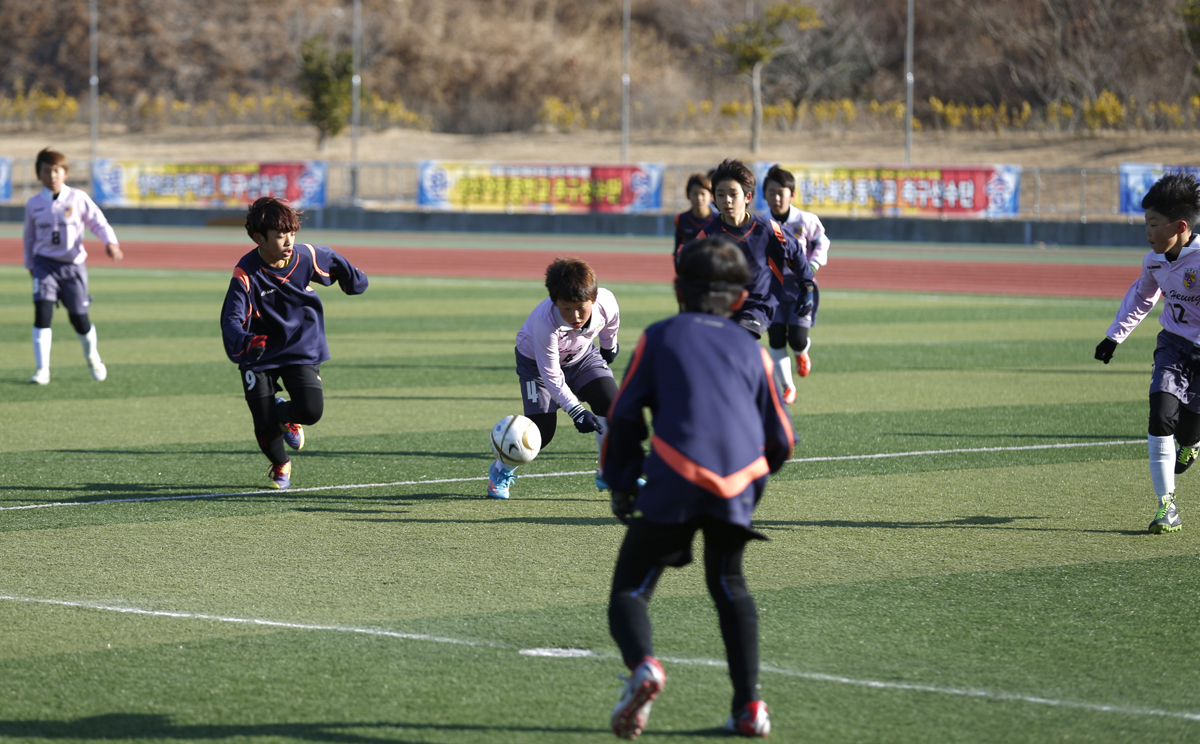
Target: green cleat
point(1184, 457)
point(1167, 519)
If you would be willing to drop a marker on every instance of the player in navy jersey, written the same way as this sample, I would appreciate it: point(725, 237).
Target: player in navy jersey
point(764, 243)
point(273, 326)
point(720, 427)
point(1171, 268)
point(688, 224)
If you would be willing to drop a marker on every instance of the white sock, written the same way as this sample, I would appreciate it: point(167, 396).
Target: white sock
point(783, 366)
point(41, 347)
point(88, 342)
point(506, 468)
point(600, 437)
point(1162, 464)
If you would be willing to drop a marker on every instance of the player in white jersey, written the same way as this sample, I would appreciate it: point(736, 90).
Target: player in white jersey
point(789, 328)
point(1170, 270)
point(557, 363)
point(54, 255)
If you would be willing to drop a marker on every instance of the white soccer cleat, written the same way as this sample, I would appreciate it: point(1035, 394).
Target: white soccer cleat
point(637, 696)
point(41, 377)
point(99, 371)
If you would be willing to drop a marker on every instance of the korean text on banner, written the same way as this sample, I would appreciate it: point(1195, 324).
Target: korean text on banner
point(986, 191)
point(1137, 178)
point(511, 187)
point(6, 164)
point(139, 183)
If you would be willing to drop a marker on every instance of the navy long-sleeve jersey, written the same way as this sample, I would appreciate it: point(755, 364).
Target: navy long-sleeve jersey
point(719, 422)
point(687, 225)
point(282, 305)
point(768, 249)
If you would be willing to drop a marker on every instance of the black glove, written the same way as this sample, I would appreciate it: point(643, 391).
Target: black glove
point(1104, 349)
point(804, 303)
point(255, 350)
point(585, 421)
point(622, 504)
point(608, 355)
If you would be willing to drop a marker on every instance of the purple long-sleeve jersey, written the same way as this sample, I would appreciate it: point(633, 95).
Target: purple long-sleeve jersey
point(282, 305)
point(1178, 281)
point(768, 248)
point(719, 422)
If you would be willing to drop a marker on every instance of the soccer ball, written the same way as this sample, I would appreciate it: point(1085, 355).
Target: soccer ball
point(516, 440)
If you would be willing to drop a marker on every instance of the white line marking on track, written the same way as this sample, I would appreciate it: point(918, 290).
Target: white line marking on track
point(579, 653)
point(878, 456)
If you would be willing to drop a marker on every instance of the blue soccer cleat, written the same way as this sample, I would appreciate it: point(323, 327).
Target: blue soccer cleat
point(499, 480)
point(281, 475)
point(293, 434)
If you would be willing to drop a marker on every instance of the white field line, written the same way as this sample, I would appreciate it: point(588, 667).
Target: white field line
point(576, 653)
point(879, 456)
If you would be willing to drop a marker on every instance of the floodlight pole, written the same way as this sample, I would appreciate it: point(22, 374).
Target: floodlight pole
point(625, 83)
point(94, 87)
point(908, 86)
point(355, 106)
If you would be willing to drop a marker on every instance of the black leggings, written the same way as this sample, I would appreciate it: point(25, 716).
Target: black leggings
point(1168, 418)
point(43, 312)
point(779, 334)
point(598, 394)
point(648, 548)
point(303, 383)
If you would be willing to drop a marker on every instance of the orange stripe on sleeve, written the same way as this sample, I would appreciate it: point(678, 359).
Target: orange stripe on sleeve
point(316, 268)
point(726, 486)
point(775, 270)
point(241, 276)
point(769, 365)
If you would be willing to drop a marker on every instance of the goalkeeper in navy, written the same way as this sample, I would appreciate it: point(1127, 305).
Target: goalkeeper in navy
point(720, 426)
point(1171, 270)
point(273, 325)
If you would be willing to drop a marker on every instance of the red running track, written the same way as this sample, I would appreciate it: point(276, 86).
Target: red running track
point(960, 277)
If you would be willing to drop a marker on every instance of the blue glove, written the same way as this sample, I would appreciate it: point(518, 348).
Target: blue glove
point(585, 421)
point(608, 355)
point(804, 303)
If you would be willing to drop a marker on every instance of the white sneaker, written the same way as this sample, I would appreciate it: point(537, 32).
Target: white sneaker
point(41, 377)
point(637, 696)
point(99, 371)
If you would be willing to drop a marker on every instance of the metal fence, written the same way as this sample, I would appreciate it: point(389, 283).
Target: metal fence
point(1050, 194)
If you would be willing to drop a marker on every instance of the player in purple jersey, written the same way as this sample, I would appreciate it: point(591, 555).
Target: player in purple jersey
point(719, 427)
point(558, 365)
point(273, 325)
point(779, 189)
point(54, 256)
point(1170, 269)
point(763, 242)
point(689, 223)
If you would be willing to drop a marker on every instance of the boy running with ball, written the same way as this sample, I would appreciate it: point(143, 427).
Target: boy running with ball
point(1170, 269)
point(273, 325)
point(557, 363)
point(54, 256)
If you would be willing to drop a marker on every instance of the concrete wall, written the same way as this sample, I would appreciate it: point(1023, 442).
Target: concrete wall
point(1018, 232)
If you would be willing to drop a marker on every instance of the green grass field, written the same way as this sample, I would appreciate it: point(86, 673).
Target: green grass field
point(1009, 593)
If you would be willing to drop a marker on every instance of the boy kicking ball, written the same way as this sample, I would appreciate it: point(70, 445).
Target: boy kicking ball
point(54, 256)
point(720, 427)
point(273, 326)
point(557, 363)
point(1171, 268)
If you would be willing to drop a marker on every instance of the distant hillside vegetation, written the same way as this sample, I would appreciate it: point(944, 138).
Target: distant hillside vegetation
point(485, 66)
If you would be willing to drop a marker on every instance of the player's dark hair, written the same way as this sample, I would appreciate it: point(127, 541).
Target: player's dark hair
point(53, 157)
point(571, 280)
point(269, 213)
point(734, 170)
point(698, 179)
point(1175, 196)
point(782, 177)
point(710, 275)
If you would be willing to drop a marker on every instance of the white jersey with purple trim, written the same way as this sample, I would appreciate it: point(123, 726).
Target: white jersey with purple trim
point(808, 228)
point(551, 342)
point(54, 226)
point(1178, 281)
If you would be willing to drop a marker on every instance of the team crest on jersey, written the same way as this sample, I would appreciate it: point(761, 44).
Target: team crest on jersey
point(1189, 278)
point(67, 212)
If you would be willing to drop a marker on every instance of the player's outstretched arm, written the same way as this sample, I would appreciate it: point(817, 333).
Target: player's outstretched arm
point(622, 457)
point(777, 424)
point(331, 266)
